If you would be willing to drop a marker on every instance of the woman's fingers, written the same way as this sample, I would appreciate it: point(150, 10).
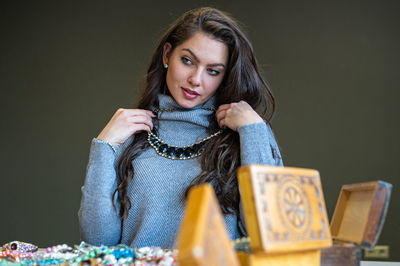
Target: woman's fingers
point(222, 108)
point(125, 123)
point(138, 119)
point(220, 117)
point(141, 119)
point(141, 127)
point(220, 114)
point(133, 112)
point(237, 114)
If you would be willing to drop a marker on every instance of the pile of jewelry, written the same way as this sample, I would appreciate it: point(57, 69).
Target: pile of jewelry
point(20, 253)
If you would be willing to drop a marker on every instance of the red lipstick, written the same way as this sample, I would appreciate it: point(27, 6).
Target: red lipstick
point(190, 94)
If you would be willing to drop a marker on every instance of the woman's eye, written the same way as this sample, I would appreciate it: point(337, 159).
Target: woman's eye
point(186, 60)
point(213, 72)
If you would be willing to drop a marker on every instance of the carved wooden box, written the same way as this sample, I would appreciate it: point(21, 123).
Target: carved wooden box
point(357, 221)
point(203, 239)
point(284, 209)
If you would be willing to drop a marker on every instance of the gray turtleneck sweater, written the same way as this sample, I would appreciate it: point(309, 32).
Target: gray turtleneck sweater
point(158, 186)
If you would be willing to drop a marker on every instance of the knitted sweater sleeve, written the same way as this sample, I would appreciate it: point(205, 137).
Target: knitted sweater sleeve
point(257, 146)
point(100, 223)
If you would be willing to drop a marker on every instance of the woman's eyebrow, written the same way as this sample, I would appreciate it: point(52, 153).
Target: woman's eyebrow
point(197, 59)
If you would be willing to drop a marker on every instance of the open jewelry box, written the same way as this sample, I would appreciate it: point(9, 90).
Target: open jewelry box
point(357, 221)
point(285, 215)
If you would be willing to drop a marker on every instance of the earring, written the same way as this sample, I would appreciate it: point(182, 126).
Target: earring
point(165, 65)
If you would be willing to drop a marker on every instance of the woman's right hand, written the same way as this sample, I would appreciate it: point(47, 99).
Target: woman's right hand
point(125, 123)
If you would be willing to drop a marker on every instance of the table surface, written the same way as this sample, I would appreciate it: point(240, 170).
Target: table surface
point(380, 263)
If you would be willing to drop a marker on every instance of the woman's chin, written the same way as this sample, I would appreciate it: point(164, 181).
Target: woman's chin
point(188, 104)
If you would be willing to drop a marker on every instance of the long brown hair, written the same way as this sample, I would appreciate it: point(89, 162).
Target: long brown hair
point(242, 81)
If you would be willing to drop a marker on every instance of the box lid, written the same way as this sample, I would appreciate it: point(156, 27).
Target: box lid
point(284, 209)
point(360, 212)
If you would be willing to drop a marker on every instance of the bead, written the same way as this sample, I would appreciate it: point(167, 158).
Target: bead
point(179, 153)
point(116, 254)
point(171, 151)
point(157, 142)
point(14, 246)
point(163, 148)
point(110, 259)
point(92, 253)
point(196, 148)
point(188, 152)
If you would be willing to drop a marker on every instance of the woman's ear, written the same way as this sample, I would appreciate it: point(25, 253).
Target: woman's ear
point(166, 52)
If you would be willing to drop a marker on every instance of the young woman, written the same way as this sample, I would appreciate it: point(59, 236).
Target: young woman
point(205, 111)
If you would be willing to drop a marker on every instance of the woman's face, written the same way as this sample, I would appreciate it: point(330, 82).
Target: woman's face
point(196, 68)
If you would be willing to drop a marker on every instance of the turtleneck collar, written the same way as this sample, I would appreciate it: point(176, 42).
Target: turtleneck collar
point(167, 102)
point(183, 126)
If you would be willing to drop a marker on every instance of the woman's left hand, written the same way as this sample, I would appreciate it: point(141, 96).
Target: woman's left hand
point(235, 115)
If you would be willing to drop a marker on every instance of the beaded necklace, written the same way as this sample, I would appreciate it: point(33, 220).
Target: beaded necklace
point(177, 152)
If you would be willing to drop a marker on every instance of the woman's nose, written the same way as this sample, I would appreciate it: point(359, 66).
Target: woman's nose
point(195, 77)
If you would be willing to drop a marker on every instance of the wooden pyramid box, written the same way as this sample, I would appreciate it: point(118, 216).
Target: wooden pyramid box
point(357, 221)
point(203, 238)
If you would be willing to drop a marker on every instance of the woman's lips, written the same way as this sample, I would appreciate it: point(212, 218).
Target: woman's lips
point(190, 94)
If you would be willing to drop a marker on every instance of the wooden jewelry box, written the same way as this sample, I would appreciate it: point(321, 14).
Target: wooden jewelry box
point(357, 221)
point(285, 215)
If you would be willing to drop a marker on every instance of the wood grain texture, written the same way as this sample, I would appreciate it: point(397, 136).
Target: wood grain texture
point(284, 209)
point(202, 238)
point(343, 255)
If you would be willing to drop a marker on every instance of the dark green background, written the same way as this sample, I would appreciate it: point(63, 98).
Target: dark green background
point(66, 66)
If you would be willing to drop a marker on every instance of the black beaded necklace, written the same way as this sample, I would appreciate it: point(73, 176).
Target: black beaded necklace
point(177, 152)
